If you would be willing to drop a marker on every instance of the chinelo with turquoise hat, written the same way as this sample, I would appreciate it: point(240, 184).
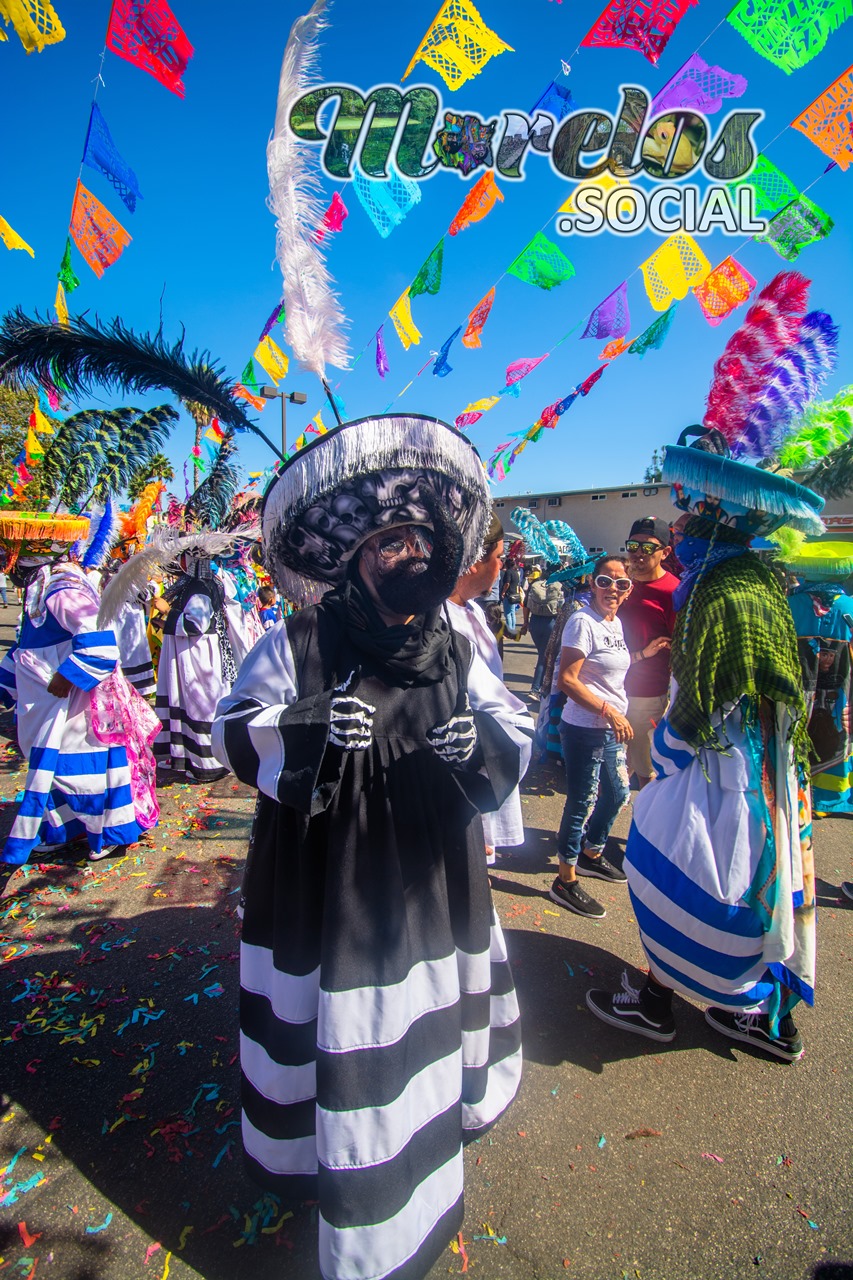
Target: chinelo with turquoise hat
point(719, 857)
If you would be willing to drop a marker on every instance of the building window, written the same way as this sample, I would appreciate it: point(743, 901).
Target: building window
point(499, 504)
point(599, 497)
point(630, 495)
point(534, 502)
point(555, 502)
point(650, 493)
point(596, 551)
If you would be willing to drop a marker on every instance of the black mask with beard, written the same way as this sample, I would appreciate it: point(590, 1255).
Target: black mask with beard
point(416, 586)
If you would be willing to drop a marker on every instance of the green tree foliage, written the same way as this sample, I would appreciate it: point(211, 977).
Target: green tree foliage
point(15, 410)
point(652, 473)
point(158, 467)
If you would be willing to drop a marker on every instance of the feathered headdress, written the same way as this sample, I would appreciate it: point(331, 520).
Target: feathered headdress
point(80, 355)
point(104, 534)
point(535, 535)
point(314, 316)
point(213, 500)
point(823, 426)
point(160, 556)
point(134, 524)
point(771, 325)
point(575, 549)
point(791, 381)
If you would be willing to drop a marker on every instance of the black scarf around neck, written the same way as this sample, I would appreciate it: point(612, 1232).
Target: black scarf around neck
point(419, 652)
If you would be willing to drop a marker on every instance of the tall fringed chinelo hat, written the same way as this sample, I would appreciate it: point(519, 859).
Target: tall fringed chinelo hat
point(360, 478)
point(726, 494)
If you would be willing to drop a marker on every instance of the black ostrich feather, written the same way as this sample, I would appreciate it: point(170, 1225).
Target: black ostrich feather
point(213, 500)
point(64, 446)
point(80, 355)
point(833, 475)
point(131, 448)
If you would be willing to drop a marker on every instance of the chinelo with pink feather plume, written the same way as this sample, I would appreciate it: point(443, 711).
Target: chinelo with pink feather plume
point(771, 325)
point(769, 373)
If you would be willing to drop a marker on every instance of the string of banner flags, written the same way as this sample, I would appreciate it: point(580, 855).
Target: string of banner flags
point(457, 45)
point(678, 265)
point(148, 35)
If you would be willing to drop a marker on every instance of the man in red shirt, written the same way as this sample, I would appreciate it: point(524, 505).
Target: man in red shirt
point(647, 614)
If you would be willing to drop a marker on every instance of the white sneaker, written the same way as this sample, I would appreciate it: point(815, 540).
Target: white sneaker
point(107, 851)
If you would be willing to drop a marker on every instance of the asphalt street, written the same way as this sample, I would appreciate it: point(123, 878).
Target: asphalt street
point(119, 1137)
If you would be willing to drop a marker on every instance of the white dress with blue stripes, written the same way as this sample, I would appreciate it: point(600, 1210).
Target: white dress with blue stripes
point(75, 786)
point(693, 854)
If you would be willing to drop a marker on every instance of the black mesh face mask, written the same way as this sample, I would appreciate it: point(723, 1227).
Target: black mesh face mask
point(414, 569)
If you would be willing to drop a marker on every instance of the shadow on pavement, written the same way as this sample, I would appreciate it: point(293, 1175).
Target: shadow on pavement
point(553, 1034)
point(137, 1086)
point(829, 895)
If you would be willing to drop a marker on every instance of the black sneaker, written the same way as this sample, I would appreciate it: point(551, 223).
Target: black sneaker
point(847, 888)
point(754, 1028)
point(599, 868)
point(625, 1009)
point(573, 896)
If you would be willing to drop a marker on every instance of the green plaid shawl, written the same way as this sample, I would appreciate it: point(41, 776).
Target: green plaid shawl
point(735, 638)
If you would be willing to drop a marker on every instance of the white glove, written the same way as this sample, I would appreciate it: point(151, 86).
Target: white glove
point(351, 721)
point(455, 741)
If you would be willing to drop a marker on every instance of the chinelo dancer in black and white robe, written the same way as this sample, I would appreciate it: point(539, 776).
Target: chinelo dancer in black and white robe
point(196, 669)
point(379, 1022)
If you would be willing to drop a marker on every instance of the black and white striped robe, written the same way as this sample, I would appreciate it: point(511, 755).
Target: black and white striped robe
point(378, 1016)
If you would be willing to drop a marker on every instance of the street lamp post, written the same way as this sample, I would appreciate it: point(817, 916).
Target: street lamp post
point(295, 397)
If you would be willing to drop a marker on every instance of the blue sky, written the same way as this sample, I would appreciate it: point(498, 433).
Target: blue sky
point(203, 250)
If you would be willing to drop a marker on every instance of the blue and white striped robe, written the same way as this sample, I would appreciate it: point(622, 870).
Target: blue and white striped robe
point(698, 836)
point(75, 785)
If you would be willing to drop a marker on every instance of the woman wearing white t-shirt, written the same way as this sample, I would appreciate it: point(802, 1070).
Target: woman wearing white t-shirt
point(593, 732)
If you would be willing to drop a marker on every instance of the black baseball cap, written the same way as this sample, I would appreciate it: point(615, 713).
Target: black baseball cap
point(650, 527)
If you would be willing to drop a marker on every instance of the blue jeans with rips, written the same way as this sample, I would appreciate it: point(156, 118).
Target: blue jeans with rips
point(596, 788)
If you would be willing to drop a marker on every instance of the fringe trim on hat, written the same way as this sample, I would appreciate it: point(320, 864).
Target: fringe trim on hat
point(370, 445)
point(822, 560)
point(747, 486)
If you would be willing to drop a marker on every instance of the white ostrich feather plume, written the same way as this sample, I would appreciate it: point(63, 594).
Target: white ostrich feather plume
point(160, 555)
point(315, 318)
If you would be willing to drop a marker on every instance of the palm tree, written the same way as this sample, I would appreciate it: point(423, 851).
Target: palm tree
point(202, 417)
point(158, 467)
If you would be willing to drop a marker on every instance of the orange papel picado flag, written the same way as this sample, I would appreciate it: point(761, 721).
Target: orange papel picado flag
point(99, 237)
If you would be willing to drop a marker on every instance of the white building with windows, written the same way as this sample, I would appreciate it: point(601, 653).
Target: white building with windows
point(602, 518)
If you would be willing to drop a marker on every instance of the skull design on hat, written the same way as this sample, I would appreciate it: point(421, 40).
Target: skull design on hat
point(360, 478)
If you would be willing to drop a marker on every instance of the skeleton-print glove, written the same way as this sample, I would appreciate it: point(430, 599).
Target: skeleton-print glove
point(351, 721)
point(455, 741)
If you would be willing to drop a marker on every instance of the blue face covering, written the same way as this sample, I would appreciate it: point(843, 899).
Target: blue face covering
point(698, 556)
